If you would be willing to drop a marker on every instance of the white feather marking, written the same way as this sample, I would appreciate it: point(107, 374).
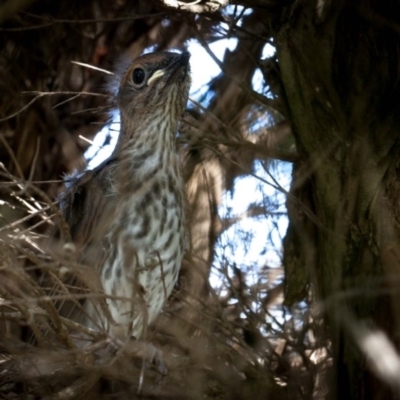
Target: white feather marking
point(156, 76)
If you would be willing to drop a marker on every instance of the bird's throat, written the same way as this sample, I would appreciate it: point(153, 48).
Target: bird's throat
point(144, 157)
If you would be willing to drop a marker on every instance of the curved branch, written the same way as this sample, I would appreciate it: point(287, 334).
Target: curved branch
point(195, 6)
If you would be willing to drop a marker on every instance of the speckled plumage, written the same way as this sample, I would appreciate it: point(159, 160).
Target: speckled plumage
point(128, 214)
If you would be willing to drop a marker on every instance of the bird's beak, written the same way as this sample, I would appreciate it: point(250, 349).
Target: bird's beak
point(184, 59)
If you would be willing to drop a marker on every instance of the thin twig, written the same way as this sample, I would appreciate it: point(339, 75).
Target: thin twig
point(92, 67)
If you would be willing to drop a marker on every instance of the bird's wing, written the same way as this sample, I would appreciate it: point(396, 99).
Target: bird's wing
point(89, 208)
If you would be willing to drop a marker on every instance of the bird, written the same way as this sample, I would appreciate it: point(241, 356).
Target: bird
point(128, 216)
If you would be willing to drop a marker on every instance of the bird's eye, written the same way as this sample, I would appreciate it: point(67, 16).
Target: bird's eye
point(138, 76)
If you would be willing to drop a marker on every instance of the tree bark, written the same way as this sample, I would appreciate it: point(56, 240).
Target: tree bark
point(339, 68)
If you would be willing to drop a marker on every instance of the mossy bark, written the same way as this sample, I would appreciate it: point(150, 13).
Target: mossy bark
point(338, 72)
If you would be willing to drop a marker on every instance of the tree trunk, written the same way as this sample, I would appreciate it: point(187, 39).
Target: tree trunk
point(339, 68)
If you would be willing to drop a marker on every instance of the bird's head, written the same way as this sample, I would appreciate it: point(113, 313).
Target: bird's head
point(155, 82)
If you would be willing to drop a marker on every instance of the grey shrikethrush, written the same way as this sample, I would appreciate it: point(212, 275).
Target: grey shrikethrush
point(127, 216)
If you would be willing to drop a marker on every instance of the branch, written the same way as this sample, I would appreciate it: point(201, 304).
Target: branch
point(270, 143)
point(195, 6)
point(42, 94)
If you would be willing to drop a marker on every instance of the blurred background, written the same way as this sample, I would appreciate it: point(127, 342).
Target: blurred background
point(289, 149)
